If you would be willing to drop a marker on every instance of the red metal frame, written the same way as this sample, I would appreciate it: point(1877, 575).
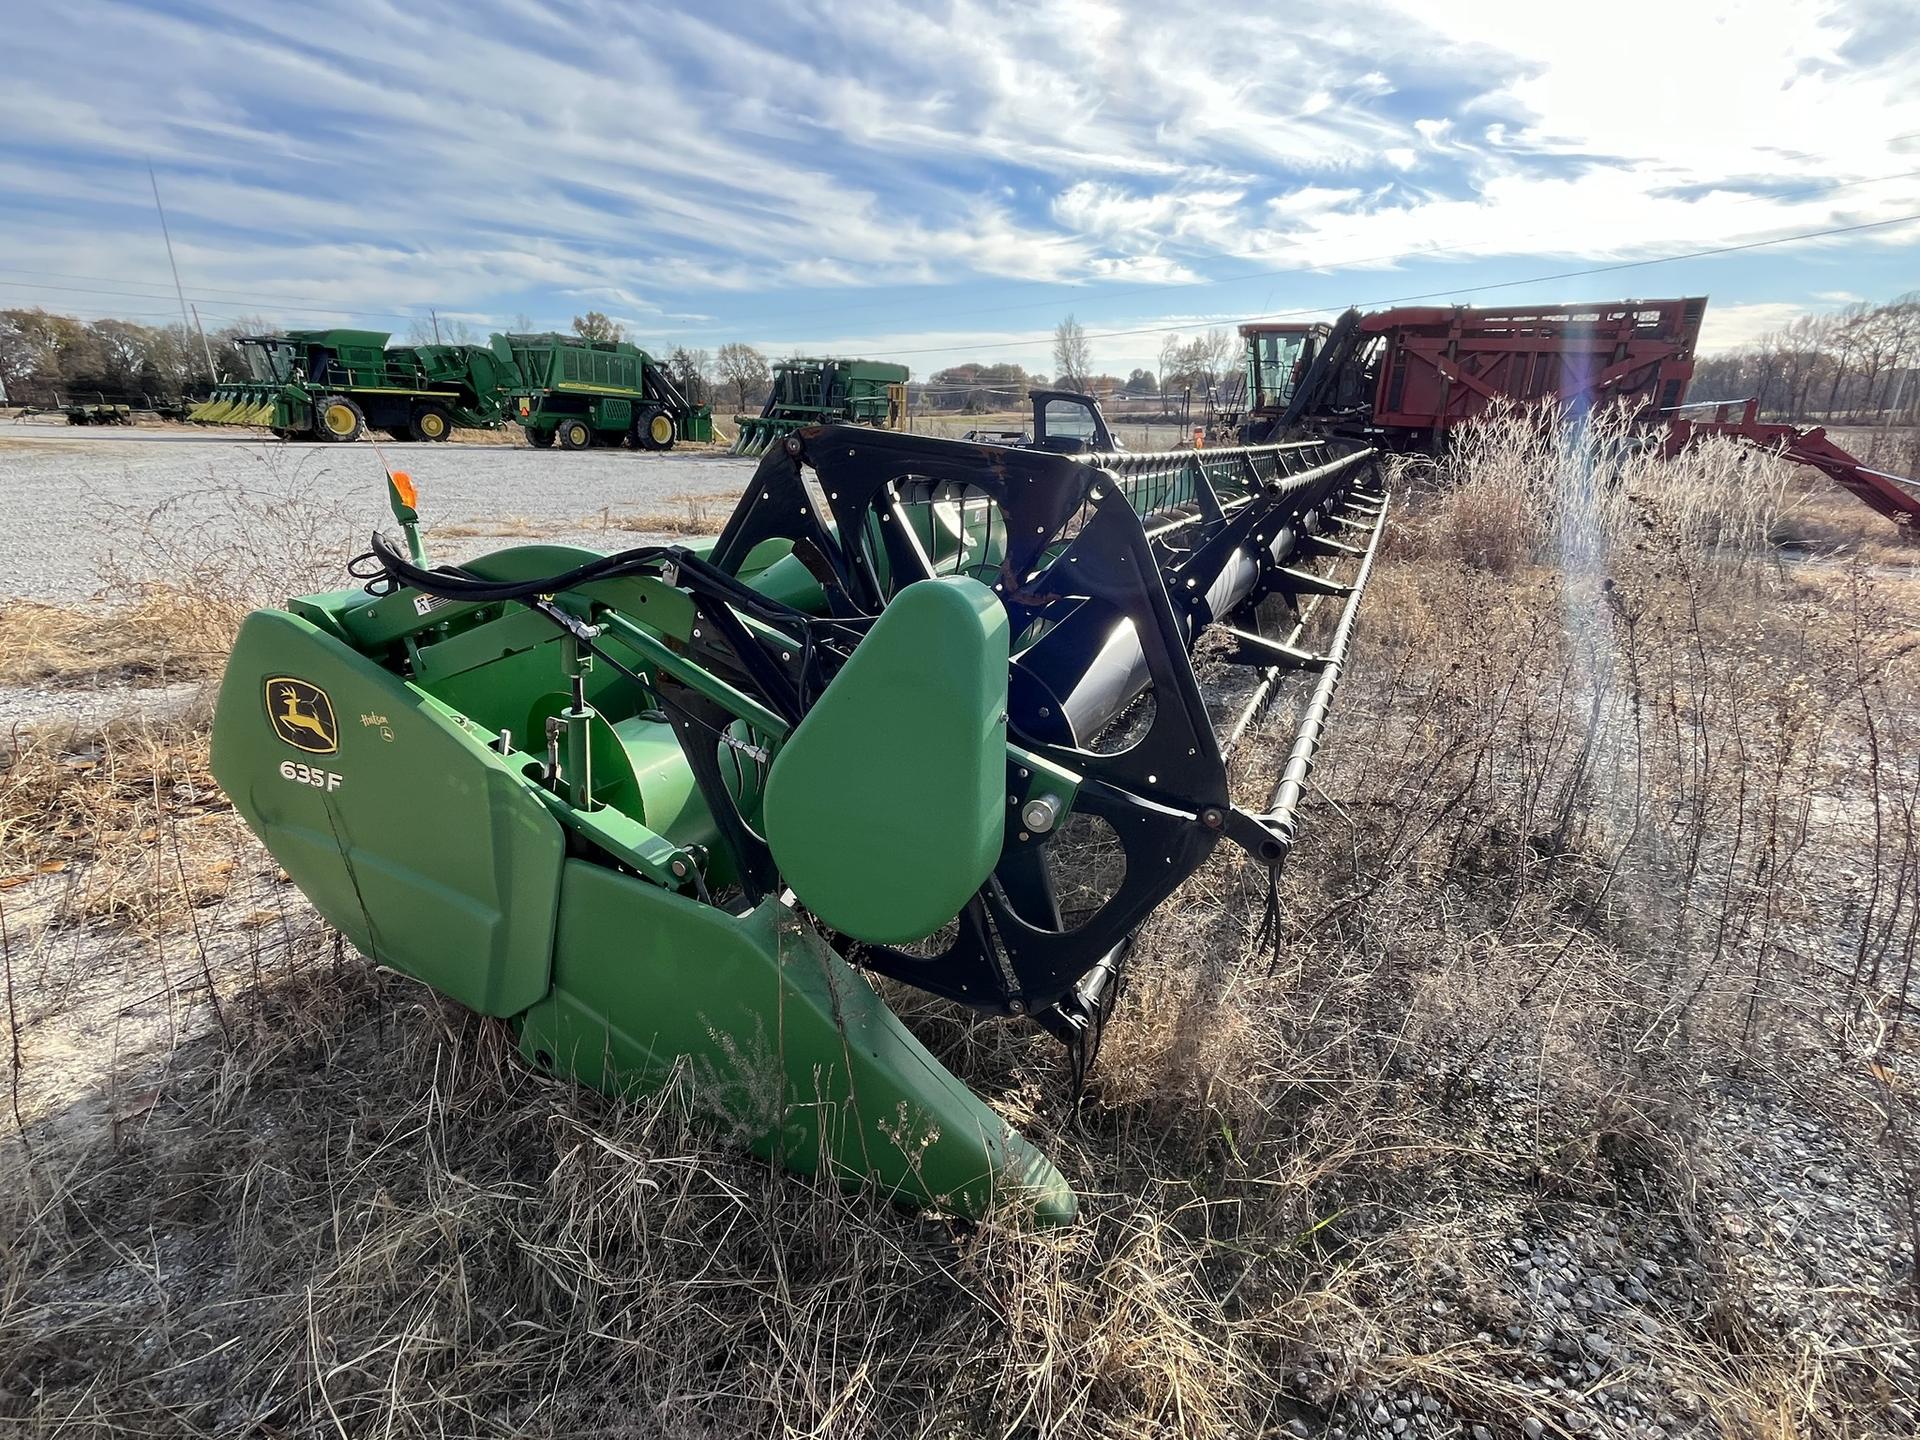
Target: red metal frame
point(1440, 366)
point(1431, 368)
point(1889, 494)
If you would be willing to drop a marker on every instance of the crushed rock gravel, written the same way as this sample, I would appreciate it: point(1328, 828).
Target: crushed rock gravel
point(65, 491)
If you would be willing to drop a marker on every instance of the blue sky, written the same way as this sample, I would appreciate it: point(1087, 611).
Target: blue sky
point(944, 182)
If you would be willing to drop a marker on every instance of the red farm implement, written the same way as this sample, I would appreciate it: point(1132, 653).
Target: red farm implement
point(1891, 496)
point(1402, 379)
point(1407, 376)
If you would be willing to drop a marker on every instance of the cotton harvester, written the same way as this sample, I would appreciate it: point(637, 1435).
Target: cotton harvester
point(337, 384)
point(924, 709)
point(598, 392)
point(1406, 378)
point(825, 392)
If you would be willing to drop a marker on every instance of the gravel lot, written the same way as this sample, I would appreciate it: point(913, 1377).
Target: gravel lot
point(70, 497)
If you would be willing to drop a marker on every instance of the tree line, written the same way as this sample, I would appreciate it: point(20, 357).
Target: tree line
point(1859, 363)
point(46, 358)
point(1210, 360)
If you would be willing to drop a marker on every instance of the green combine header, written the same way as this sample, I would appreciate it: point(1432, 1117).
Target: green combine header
point(595, 392)
point(825, 392)
point(924, 710)
point(338, 384)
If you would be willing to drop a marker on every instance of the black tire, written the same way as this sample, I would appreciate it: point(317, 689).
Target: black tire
point(540, 439)
point(653, 430)
point(431, 424)
point(338, 420)
point(575, 434)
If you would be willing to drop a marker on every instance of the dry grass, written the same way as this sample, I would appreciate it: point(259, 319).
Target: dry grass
point(176, 587)
point(1609, 885)
point(128, 815)
point(165, 635)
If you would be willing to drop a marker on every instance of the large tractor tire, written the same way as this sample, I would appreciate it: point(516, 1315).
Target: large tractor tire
point(337, 419)
point(540, 439)
point(430, 423)
point(575, 434)
point(653, 430)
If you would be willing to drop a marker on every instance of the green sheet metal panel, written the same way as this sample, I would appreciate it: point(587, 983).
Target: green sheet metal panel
point(782, 1039)
point(884, 808)
point(421, 845)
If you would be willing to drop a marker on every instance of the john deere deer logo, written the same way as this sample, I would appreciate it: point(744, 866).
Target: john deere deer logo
point(302, 715)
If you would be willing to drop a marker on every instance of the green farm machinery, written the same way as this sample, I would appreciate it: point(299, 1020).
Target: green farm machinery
point(664, 811)
point(588, 392)
point(101, 409)
point(825, 392)
point(338, 384)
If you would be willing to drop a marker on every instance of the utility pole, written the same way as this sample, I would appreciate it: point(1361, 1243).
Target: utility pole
point(179, 294)
point(435, 314)
point(205, 349)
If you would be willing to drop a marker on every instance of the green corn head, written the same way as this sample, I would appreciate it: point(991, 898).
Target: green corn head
point(756, 433)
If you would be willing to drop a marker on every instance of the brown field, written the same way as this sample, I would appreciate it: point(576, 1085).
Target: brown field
point(1576, 1097)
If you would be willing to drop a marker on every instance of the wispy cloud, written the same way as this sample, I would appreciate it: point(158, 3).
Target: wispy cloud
point(856, 174)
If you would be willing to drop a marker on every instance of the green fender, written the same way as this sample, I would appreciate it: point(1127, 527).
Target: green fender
point(437, 854)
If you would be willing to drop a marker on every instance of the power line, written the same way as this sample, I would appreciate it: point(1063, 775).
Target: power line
point(1458, 289)
point(224, 309)
point(243, 296)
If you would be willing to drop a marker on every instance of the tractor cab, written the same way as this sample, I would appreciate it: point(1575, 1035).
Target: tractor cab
point(334, 358)
point(1278, 358)
point(1069, 423)
point(270, 358)
point(1305, 372)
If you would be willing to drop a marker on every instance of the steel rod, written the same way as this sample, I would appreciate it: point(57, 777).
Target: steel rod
point(1284, 803)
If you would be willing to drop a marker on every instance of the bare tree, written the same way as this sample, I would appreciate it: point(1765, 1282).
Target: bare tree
point(1849, 335)
point(692, 371)
point(1072, 356)
point(425, 331)
point(744, 368)
point(1196, 364)
point(1214, 354)
point(1171, 380)
point(1849, 363)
